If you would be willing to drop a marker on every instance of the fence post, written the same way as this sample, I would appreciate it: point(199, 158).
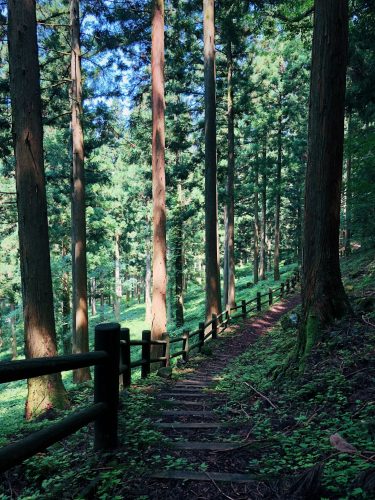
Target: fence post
point(125, 359)
point(106, 386)
point(282, 290)
point(201, 336)
point(270, 297)
point(287, 286)
point(227, 317)
point(146, 353)
point(185, 345)
point(243, 308)
point(166, 349)
point(214, 326)
point(259, 301)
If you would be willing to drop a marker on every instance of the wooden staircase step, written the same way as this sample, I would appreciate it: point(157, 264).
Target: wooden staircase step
point(190, 385)
point(186, 394)
point(204, 476)
point(187, 403)
point(187, 413)
point(186, 388)
point(190, 425)
point(205, 445)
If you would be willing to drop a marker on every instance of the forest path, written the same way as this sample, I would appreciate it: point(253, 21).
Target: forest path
point(208, 454)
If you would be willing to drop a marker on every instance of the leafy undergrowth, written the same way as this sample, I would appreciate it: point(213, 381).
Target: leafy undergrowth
point(298, 415)
point(71, 469)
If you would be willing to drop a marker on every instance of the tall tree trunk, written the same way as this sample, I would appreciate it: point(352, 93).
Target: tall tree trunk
point(225, 263)
point(93, 296)
point(148, 316)
point(66, 309)
point(39, 321)
point(231, 301)
point(213, 301)
point(118, 286)
point(102, 307)
point(324, 296)
point(256, 223)
point(276, 255)
point(178, 254)
point(159, 278)
point(348, 189)
point(262, 270)
point(13, 331)
point(79, 271)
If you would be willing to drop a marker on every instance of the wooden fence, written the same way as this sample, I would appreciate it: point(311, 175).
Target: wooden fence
point(112, 359)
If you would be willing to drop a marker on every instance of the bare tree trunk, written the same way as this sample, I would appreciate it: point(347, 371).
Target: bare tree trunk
point(276, 255)
point(159, 279)
point(66, 309)
point(324, 297)
point(225, 263)
point(148, 317)
point(256, 223)
point(118, 286)
point(262, 270)
point(179, 272)
point(79, 271)
point(102, 306)
point(348, 189)
point(93, 296)
point(231, 302)
point(13, 331)
point(39, 321)
point(213, 301)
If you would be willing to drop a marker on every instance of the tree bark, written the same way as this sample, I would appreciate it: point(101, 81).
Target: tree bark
point(39, 321)
point(262, 267)
point(231, 299)
point(159, 288)
point(256, 223)
point(276, 254)
point(324, 296)
point(213, 300)
point(79, 271)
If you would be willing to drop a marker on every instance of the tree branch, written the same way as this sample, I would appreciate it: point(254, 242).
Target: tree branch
point(296, 19)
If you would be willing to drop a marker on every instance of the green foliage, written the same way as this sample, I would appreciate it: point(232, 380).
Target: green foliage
point(331, 396)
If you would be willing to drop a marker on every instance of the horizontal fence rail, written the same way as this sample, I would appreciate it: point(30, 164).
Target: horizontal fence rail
point(113, 364)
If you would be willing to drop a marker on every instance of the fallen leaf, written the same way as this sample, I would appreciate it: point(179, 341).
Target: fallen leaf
point(340, 444)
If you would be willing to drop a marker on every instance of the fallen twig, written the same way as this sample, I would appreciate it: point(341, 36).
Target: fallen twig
point(218, 488)
point(365, 320)
point(262, 395)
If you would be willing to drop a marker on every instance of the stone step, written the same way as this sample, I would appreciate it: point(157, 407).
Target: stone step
point(205, 445)
point(204, 476)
